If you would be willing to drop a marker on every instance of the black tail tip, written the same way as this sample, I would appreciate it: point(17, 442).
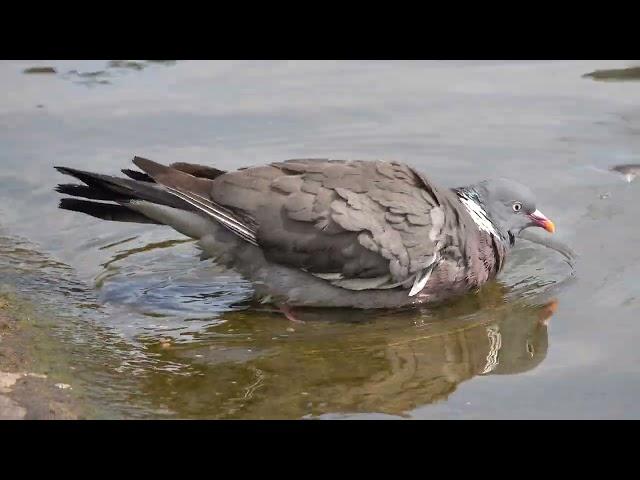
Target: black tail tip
point(67, 203)
point(85, 191)
point(135, 175)
point(66, 189)
point(67, 170)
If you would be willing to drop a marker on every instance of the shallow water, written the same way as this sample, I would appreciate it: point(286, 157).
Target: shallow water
point(146, 330)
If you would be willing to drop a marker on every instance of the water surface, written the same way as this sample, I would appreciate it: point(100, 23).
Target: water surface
point(149, 331)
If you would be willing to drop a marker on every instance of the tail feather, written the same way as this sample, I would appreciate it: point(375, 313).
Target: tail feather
point(124, 189)
point(198, 170)
point(142, 197)
point(105, 211)
point(135, 175)
point(170, 177)
point(197, 192)
point(84, 191)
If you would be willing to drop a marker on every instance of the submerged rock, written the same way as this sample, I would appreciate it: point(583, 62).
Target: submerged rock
point(8, 380)
point(619, 74)
point(39, 70)
point(130, 64)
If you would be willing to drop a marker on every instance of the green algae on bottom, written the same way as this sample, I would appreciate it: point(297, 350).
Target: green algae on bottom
point(27, 382)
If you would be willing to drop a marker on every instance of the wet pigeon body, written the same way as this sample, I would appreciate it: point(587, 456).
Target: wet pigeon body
point(325, 233)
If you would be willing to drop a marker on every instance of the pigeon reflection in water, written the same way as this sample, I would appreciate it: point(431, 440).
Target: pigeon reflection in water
point(391, 364)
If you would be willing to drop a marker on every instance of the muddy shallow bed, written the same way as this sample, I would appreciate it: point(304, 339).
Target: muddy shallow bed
point(27, 391)
point(125, 321)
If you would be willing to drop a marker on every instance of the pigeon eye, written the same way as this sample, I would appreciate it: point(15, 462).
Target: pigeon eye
point(517, 207)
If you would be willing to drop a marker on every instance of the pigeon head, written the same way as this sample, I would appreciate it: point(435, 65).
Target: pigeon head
point(511, 206)
point(503, 207)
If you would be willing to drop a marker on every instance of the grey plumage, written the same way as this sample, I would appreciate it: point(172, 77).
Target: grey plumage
point(321, 232)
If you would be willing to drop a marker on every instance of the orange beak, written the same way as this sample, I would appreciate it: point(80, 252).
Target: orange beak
point(541, 221)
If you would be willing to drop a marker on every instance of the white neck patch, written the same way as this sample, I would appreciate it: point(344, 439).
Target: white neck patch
point(495, 339)
point(479, 215)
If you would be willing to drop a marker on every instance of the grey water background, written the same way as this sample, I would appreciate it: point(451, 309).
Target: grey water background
point(143, 329)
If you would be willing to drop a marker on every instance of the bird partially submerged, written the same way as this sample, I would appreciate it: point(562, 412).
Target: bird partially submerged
point(325, 233)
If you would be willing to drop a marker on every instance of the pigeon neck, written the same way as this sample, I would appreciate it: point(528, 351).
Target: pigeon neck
point(471, 199)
